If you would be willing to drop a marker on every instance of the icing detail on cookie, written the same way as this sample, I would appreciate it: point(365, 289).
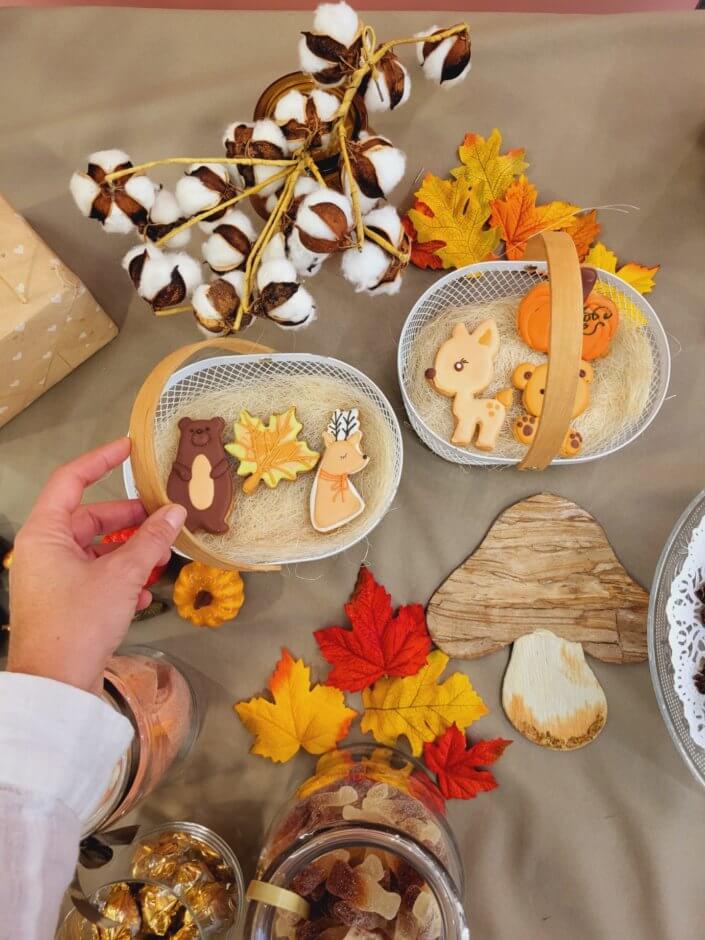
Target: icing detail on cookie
point(200, 478)
point(334, 499)
point(463, 367)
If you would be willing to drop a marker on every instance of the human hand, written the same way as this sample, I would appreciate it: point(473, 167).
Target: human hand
point(71, 602)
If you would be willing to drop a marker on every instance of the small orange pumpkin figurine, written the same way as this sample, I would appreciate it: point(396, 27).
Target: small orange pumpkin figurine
point(206, 596)
point(600, 318)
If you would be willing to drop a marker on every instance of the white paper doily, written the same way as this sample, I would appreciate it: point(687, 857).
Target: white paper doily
point(686, 633)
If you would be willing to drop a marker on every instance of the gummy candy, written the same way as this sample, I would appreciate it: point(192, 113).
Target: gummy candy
point(315, 874)
point(361, 890)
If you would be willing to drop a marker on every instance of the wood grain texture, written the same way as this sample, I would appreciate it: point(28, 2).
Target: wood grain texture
point(545, 563)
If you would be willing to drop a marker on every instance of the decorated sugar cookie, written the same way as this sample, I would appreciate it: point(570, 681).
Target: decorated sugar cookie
point(270, 452)
point(600, 317)
point(334, 499)
point(530, 379)
point(464, 366)
point(200, 479)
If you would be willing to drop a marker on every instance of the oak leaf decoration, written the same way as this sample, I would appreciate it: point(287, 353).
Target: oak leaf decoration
point(482, 162)
point(516, 217)
point(638, 276)
point(299, 717)
point(380, 643)
point(270, 452)
point(459, 219)
point(459, 767)
point(420, 707)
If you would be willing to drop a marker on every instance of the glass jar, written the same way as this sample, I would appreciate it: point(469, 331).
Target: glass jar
point(327, 163)
point(200, 867)
point(364, 801)
point(149, 688)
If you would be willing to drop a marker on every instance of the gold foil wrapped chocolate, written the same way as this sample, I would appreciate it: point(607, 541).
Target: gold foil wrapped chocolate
point(211, 903)
point(160, 910)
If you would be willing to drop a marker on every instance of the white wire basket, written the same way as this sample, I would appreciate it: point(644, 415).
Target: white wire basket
point(220, 373)
point(493, 280)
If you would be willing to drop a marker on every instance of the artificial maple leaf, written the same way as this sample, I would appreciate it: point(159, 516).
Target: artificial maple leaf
point(457, 765)
point(460, 214)
point(482, 162)
point(516, 216)
point(422, 253)
point(584, 229)
point(419, 707)
point(270, 452)
point(300, 716)
point(640, 277)
point(380, 643)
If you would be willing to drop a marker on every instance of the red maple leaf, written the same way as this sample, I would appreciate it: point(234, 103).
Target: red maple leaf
point(380, 643)
point(422, 253)
point(457, 765)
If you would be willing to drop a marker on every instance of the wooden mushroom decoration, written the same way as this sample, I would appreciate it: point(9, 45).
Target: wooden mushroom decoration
point(546, 579)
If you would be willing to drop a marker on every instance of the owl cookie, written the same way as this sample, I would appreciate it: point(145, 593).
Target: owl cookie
point(530, 379)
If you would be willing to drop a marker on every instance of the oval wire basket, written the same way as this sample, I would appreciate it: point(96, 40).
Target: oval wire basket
point(492, 280)
point(172, 384)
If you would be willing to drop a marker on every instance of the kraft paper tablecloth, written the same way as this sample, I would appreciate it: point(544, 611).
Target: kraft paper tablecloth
point(599, 844)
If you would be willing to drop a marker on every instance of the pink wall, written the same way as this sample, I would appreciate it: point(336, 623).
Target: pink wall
point(500, 6)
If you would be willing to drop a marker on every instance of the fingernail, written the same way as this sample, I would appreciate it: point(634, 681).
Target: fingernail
point(176, 516)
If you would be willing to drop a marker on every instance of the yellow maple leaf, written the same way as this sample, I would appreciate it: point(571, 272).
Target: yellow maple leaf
point(300, 716)
point(517, 217)
point(638, 276)
point(419, 707)
point(602, 257)
point(460, 213)
point(483, 162)
point(584, 229)
point(270, 452)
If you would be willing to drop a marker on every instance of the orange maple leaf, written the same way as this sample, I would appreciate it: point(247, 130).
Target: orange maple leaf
point(422, 253)
point(584, 229)
point(517, 217)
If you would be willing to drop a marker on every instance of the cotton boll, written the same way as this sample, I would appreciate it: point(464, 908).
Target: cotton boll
point(372, 269)
point(165, 279)
point(448, 61)
point(280, 297)
point(202, 187)
point(275, 249)
point(391, 86)
point(235, 140)
point(119, 205)
point(230, 242)
point(306, 118)
point(307, 263)
point(215, 305)
point(327, 105)
point(303, 186)
point(337, 20)
point(377, 167)
point(164, 216)
point(332, 50)
point(269, 143)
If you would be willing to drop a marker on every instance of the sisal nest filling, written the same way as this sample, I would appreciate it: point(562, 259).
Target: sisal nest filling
point(618, 395)
point(274, 525)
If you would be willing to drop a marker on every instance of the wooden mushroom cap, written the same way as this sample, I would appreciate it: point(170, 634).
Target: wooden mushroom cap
point(544, 564)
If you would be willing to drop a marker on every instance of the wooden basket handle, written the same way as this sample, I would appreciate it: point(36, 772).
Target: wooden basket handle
point(565, 344)
point(143, 456)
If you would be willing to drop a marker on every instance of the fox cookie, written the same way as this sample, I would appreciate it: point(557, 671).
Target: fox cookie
point(200, 479)
point(600, 317)
point(463, 367)
point(530, 379)
point(334, 499)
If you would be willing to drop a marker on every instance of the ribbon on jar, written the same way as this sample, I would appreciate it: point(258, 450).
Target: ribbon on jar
point(266, 893)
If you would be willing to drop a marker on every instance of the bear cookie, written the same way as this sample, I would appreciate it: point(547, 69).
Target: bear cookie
point(463, 367)
point(530, 379)
point(200, 479)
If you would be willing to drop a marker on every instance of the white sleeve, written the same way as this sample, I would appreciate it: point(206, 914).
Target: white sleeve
point(58, 748)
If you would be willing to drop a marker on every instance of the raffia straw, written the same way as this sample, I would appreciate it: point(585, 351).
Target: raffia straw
point(170, 311)
point(245, 194)
point(354, 189)
point(387, 245)
point(171, 161)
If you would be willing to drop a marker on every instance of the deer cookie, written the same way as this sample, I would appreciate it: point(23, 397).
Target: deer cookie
point(464, 366)
point(200, 479)
point(530, 379)
point(334, 499)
